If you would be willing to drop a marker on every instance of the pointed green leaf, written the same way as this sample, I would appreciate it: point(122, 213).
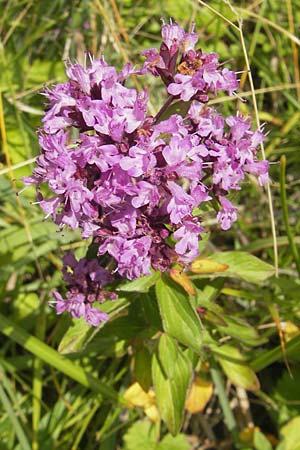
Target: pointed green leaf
point(260, 441)
point(79, 334)
point(179, 107)
point(292, 350)
point(179, 318)
point(171, 393)
point(243, 265)
point(142, 284)
point(75, 336)
point(241, 330)
point(142, 368)
point(291, 435)
point(236, 369)
point(168, 353)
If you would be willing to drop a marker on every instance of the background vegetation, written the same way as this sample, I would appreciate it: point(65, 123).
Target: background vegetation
point(62, 385)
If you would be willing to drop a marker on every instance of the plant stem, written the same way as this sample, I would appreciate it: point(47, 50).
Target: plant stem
point(164, 108)
point(223, 399)
point(285, 213)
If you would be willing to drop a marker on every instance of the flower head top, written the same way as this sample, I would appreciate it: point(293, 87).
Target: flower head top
point(196, 75)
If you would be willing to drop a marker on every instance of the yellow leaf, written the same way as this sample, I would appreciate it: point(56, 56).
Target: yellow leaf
point(199, 395)
point(136, 396)
point(152, 413)
point(290, 330)
point(247, 433)
point(200, 265)
point(181, 278)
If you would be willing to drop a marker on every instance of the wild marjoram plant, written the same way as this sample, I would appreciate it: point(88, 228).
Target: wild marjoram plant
point(134, 185)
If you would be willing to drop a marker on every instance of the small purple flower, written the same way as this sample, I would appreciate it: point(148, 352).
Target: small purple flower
point(184, 87)
point(77, 73)
point(153, 61)
point(147, 194)
point(181, 203)
point(190, 40)
point(124, 220)
point(172, 35)
point(85, 280)
point(188, 239)
point(94, 316)
point(260, 168)
point(227, 214)
point(176, 152)
point(138, 162)
point(132, 255)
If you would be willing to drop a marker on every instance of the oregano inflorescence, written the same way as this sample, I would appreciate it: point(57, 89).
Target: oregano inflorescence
point(130, 181)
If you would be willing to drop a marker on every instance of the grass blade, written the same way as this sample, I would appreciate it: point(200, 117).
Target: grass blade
point(55, 359)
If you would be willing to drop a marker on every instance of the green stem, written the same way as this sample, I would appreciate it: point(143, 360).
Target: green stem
point(37, 385)
point(55, 359)
point(284, 207)
point(223, 399)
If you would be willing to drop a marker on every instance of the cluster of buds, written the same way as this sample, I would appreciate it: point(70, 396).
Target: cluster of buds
point(131, 182)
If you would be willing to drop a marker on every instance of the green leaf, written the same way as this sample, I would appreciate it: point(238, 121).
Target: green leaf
point(25, 305)
point(209, 292)
point(142, 284)
point(141, 321)
point(291, 435)
point(75, 337)
point(241, 330)
point(79, 334)
point(142, 434)
point(243, 265)
point(128, 328)
point(287, 392)
point(237, 370)
point(168, 353)
point(180, 320)
point(180, 107)
point(292, 349)
point(142, 368)
point(260, 441)
point(178, 442)
point(171, 393)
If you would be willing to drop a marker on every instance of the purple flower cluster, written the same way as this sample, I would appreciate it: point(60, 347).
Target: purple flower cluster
point(130, 181)
point(197, 73)
point(85, 281)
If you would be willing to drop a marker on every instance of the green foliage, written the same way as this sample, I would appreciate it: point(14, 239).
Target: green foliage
point(236, 369)
point(143, 435)
point(291, 435)
point(260, 441)
point(179, 317)
point(171, 378)
point(244, 266)
point(142, 368)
